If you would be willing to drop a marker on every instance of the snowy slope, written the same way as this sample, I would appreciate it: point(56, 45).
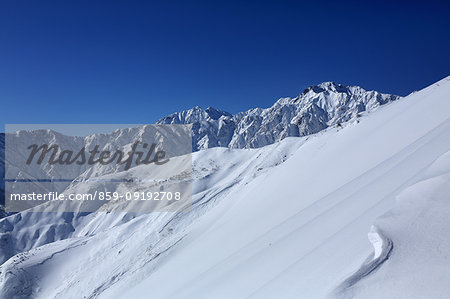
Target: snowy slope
point(315, 109)
point(287, 220)
point(298, 231)
point(126, 246)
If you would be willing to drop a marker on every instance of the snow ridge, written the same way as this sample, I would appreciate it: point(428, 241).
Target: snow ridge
point(382, 246)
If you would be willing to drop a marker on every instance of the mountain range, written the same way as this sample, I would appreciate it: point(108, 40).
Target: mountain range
point(316, 108)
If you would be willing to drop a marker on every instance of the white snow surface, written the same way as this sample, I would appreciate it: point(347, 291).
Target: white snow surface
point(288, 220)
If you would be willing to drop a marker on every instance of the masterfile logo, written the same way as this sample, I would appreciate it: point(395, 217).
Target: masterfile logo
point(94, 156)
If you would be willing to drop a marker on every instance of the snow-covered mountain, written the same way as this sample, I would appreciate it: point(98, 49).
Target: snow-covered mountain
point(287, 220)
point(315, 109)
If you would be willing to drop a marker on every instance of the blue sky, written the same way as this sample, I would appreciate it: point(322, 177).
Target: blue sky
point(137, 61)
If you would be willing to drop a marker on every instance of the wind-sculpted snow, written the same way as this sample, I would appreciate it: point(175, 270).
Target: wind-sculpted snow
point(415, 262)
point(382, 246)
point(288, 220)
point(317, 108)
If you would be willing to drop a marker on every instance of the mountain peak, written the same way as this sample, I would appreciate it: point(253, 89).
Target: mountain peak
point(327, 86)
point(216, 114)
